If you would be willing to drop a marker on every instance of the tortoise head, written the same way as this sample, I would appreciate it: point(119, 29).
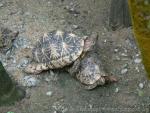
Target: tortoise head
point(90, 42)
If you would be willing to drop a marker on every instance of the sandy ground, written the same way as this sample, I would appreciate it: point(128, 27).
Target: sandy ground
point(117, 50)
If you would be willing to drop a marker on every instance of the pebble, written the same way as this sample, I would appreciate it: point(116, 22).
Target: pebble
point(117, 90)
point(75, 26)
point(137, 60)
point(4, 64)
point(47, 79)
point(137, 55)
point(1, 5)
point(105, 41)
point(72, 10)
point(75, 15)
point(27, 13)
point(137, 69)
point(116, 50)
point(117, 58)
point(141, 85)
point(123, 54)
point(30, 81)
point(49, 93)
point(103, 34)
point(90, 106)
point(123, 71)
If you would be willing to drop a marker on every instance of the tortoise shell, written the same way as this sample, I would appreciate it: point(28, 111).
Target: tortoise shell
point(91, 72)
point(57, 49)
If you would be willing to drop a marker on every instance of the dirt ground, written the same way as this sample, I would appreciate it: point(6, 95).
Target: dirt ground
point(57, 91)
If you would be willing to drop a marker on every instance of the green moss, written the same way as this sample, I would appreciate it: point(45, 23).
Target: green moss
point(140, 13)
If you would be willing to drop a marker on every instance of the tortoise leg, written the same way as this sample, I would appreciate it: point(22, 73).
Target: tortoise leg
point(74, 68)
point(35, 68)
point(100, 82)
point(110, 79)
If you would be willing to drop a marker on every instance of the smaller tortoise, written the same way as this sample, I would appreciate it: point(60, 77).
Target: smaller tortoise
point(91, 72)
point(58, 49)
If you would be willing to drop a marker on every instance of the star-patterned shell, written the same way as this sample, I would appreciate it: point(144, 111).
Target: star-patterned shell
point(90, 72)
point(58, 49)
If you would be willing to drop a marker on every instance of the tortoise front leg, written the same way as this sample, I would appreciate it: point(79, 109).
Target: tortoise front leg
point(74, 69)
point(35, 68)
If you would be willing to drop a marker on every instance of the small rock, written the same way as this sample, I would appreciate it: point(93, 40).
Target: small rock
point(123, 71)
point(123, 54)
point(117, 90)
point(137, 69)
point(49, 93)
point(116, 50)
point(75, 15)
point(125, 50)
point(30, 81)
point(105, 41)
point(4, 64)
point(71, 3)
point(27, 13)
point(90, 106)
point(137, 60)
point(49, 2)
point(75, 26)
point(103, 33)
point(1, 5)
point(117, 58)
point(137, 55)
point(141, 85)
point(47, 79)
point(71, 10)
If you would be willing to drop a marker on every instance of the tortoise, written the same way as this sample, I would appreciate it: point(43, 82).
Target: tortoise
point(7, 37)
point(91, 72)
point(60, 49)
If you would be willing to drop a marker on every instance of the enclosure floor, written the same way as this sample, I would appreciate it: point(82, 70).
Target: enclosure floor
point(117, 50)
